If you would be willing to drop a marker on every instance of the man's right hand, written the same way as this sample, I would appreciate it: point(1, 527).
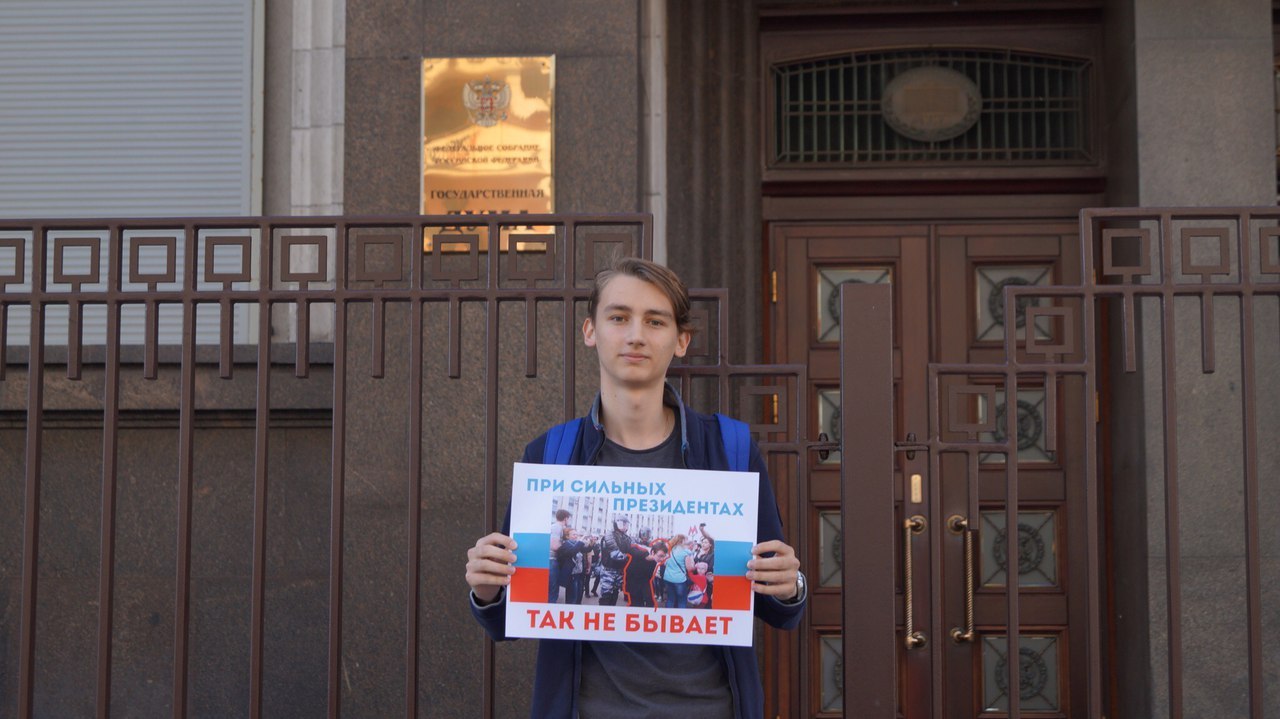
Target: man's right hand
point(490, 566)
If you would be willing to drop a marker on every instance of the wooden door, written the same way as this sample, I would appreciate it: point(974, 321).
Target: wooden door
point(948, 285)
point(812, 262)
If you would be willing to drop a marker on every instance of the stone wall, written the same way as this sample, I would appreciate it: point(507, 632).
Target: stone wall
point(1191, 105)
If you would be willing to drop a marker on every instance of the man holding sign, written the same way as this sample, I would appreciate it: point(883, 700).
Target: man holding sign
point(638, 322)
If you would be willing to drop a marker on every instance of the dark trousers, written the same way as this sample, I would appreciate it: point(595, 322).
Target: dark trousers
point(577, 587)
point(553, 582)
point(677, 594)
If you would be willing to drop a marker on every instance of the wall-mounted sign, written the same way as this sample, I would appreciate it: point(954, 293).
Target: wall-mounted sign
point(487, 135)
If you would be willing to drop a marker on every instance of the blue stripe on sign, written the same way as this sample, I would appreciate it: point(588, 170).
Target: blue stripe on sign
point(731, 558)
point(533, 550)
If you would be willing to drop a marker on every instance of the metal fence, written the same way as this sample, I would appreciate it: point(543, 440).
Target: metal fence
point(332, 320)
point(1171, 342)
point(1195, 290)
point(357, 326)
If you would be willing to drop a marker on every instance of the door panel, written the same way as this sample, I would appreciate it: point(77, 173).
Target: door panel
point(812, 262)
point(975, 263)
point(948, 287)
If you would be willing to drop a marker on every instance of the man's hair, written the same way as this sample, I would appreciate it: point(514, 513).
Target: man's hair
point(562, 514)
point(663, 278)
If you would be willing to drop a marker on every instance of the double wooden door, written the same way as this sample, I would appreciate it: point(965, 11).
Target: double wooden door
point(948, 289)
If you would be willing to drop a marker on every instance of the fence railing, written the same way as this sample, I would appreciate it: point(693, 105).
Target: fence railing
point(270, 440)
point(1172, 341)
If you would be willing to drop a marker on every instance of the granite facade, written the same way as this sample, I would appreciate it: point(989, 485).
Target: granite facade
point(145, 563)
point(596, 45)
point(597, 169)
point(1190, 121)
point(1191, 100)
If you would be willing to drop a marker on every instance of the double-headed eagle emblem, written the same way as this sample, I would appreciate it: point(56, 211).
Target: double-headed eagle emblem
point(486, 101)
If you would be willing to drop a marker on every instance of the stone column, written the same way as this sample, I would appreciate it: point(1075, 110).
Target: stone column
point(319, 63)
point(598, 165)
point(1191, 104)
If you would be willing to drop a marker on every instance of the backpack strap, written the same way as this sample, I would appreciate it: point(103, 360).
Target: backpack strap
point(737, 442)
point(560, 441)
point(735, 434)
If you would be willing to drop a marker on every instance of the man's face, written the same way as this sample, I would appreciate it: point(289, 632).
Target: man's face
point(634, 333)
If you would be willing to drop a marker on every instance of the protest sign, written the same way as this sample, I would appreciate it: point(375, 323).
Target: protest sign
point(671, 552)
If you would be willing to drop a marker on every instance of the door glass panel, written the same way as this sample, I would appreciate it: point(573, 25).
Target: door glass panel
point(1038, 665)
point(1032, 438)
point(829, 281)
point(830, 550)
point(989, 284)
point(829, 421)
point(832, 664)
point(1037, 549)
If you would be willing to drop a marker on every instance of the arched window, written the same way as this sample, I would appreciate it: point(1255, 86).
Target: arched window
point(931, 106)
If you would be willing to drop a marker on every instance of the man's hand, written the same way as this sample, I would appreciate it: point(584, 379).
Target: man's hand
point(490, 566)
point(774, 575)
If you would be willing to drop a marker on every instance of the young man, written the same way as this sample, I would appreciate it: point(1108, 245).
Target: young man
point(638, 322)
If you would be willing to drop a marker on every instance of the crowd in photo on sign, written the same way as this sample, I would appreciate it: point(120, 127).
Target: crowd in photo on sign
point(619, 569)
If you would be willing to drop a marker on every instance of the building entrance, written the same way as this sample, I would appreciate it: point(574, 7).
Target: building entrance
point(953, 561)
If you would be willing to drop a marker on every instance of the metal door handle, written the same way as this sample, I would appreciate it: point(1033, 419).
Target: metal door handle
point(911, 526)
point(960, 525)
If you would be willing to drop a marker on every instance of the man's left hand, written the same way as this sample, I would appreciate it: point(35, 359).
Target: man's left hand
point(774, 575)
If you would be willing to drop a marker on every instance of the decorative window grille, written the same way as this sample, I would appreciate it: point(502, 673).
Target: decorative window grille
point(1034, 109)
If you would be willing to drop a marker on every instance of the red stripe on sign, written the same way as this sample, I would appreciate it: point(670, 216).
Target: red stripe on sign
point(731, 593)
point(529, 584)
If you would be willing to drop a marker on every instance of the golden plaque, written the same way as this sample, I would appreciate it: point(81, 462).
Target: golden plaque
point(487, 135)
